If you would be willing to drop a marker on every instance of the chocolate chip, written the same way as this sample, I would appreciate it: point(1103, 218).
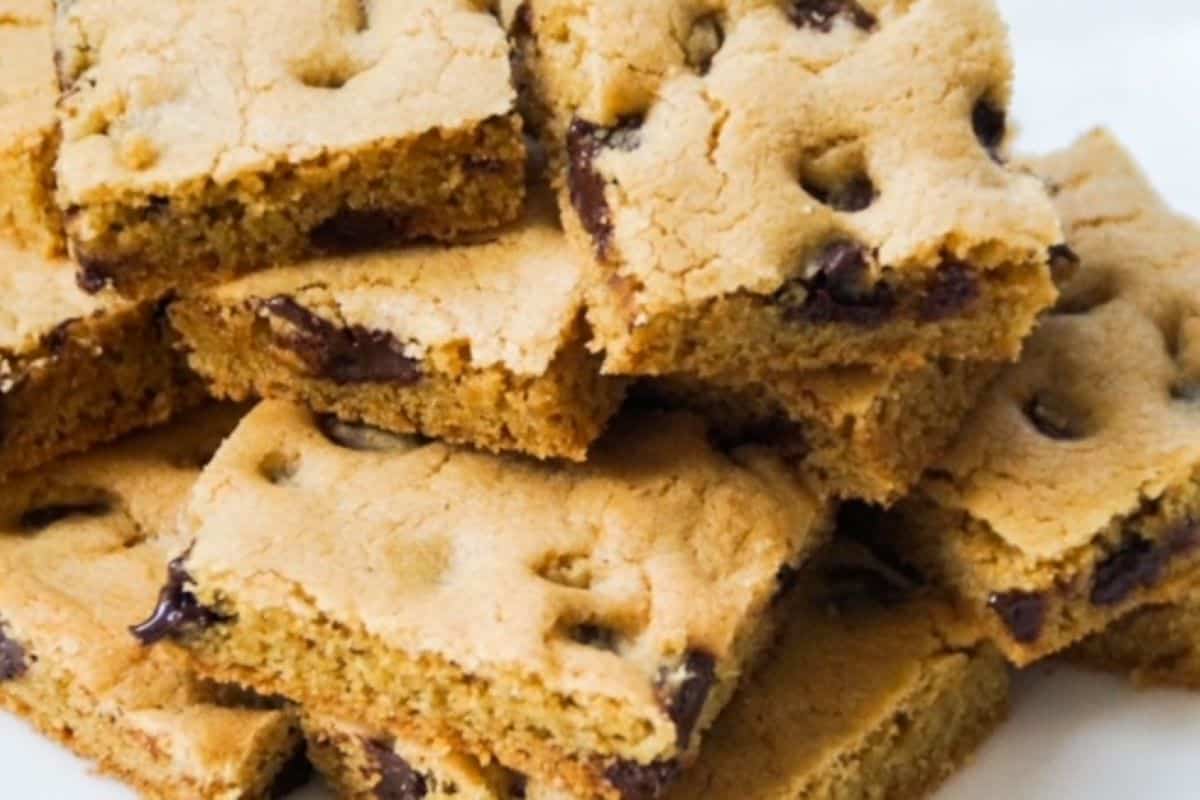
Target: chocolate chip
point(351, 230)
point(343, 355)
point(991, 125)
point(951, 291)
point(1054, 419)
point(820, 14)
point(856, 194)
point(177, 611)
point(1023, 613)
point(55, 340)
point(1064, 264)
point(684, 690)
point(42, 517)
point(357, 436)
point(12, 658)
point(1139, 564)
point(294, 774)
point(841, 291)
point(636, 781)
point(93, 275)
point(585, 141)
point(518, 786)
point(397, 778)
point(596, 636)
point(704, 42)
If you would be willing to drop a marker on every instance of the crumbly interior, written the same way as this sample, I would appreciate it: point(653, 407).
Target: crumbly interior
point(1158, 646)
point(966, 555)
point(554, 415)
point(442, 184)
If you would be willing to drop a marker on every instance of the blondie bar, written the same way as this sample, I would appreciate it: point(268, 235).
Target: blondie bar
point(80, 557)
point(28, 129)
point(203, 138)
point(583, 624)
point(771, 187)
point(1073, 495)
point(78, 369)
point(1155, 646)
point(876, 691)
point(482, 345)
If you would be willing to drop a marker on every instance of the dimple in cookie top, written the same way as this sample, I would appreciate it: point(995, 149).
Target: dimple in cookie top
point(1101, 414)
point(158, 94)
point(717, 147)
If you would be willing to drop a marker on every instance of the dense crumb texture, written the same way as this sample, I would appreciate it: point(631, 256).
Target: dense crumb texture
point(575, 622)
point(482, 345)
point(861, 433)
point(202, 139)
point(78, 369)
point(28, 130)
point(1073, 495)
point(1157, 646)
point(827, 216)
point(82, 548)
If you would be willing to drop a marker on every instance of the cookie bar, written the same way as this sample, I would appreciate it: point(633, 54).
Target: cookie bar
point(1073, 495)
point(28, 129)
point(876, 691)
point(583, 624)
point(862, 433)
point(80, 558)
point(743, 228)
point(202, 139)
point(483, 344)
point(78, 369)
point(1155, 646)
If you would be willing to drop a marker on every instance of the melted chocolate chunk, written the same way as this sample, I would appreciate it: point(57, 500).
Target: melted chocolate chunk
point(294, 774)
point(351, 230)
point(642, 781)
point(820, 14)
point(840, 292)
point(12, 659)
point(343, 355)
point(518, 785)
point(178, 610)
point(1139, 564)
point(42, 517)
point(397, 779)
point(93, 275)
point(991, 126)
point(585, 141)
point(1023, 613)
point(596, 636)
point(855, 195)
point(1053, 419)
point(950, 292)
point(684, 699)
point(1064, 264)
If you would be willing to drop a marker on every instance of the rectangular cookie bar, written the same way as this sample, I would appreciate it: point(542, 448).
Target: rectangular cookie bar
point(80, 559)
point(1073, 495)
point(204, 138)
point(861, 433)
point(582, 623)
point(482, 344)
point(745, 228)
point(28, 128)
point(78, 369)
point(875, 691)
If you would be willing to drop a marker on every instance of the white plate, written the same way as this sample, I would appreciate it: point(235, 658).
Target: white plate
point(1133, 65)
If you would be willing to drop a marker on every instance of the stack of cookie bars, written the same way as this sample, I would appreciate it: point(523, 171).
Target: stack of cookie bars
point(676, 399)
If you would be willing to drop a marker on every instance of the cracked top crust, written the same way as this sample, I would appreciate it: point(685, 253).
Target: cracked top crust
point(1102, 413)
point(27, 85)
point(740, 138)
point(163, 92)
point(660, 543)
point(514, 299)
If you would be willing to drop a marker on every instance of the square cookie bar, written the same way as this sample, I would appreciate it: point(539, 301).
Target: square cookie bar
point(860, 432)
point(78, 369)
point(1155, 646)
point(852, 208)
point(482, 344)
point(583, 624)
point(876, 690)
point(80, 559)
point(28, 128)
point(203, 138)
point(1073, 495)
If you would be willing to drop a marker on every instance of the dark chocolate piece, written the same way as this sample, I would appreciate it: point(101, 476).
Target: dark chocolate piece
point(950, 292)
point(295, 773)
point(684, 700)
point(855, 195)
point(353, 230)
point(1023, 613)
point(93, 275)
point(13, 663)
point(820, 14)
point(841, 291)
point(1138, 564)
point(177, 611)
point(596, 636)
point(585, 141)
point(991, 126)
point(397, 778)
point(642, 781)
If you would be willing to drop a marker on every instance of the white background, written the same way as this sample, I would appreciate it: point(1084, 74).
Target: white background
point(1133, 65)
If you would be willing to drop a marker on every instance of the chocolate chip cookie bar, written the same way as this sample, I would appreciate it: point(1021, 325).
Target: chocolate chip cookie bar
point(1155, 646)
point(744, 227)
point(202, 139)
point(80, 558)
point(78, 369)
point(28, 130)
point(583, 624)
point(860, 432)
point(1073, 495)
point(482, 345)
point(876, 690)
